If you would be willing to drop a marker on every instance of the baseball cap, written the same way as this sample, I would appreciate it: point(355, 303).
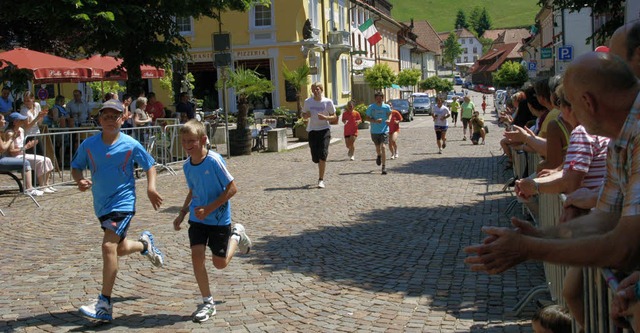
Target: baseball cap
point(378, 93)
point(16, 116)
point(112, 104)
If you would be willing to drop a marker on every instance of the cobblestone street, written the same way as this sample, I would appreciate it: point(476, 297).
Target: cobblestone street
point(369, 253)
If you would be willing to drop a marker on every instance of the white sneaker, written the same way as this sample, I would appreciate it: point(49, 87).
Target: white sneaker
point(393, 157)
point(99, 310)
point(33, 192)
point(396, 155)
point(353, 158)
point(320, 183)
point(204, 312)
point(53, 189)
point(244, 245)
point(48, 190)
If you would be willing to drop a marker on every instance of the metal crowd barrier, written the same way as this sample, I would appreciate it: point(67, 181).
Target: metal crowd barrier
point(599, 283)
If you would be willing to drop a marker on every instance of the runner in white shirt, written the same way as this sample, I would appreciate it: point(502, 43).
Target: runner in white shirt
point(441, 124)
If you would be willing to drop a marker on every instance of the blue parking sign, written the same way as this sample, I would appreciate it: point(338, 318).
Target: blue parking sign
point(533, 65)
point(565, 53)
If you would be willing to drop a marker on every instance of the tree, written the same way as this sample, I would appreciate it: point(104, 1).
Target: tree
point(297, 78)
point(613, 9)
point(452, 49)
point(379, 76)
point(436, 83)
point(408, 77)
point(474, 17)
point(139, 32)
point(510, 74)
point(484, 22)
point(461, 20)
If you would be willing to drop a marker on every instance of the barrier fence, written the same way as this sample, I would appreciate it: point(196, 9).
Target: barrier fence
point(60, 144)
point(599, 284)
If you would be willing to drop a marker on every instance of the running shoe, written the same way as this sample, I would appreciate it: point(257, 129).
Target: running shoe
point(379, 160)
point(320, 183)
point(244, 245)
point(151, 252)
point(99, 310)
point(204, 312)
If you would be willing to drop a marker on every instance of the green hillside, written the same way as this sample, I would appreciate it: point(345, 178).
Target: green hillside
point(442, 13)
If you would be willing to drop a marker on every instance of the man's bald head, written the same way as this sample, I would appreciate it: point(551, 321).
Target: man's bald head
point(625, 43)
point(600, 73)
point(600, 87)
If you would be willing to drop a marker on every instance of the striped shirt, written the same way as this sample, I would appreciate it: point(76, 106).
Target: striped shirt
point(621, 190)
point(588, 154)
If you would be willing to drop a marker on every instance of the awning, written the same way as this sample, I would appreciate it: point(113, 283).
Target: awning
point(49, 68)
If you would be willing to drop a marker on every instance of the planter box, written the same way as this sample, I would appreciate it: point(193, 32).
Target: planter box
point(301, 133)
point(363, 125)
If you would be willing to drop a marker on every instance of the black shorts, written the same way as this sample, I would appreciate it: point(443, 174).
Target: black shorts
point(465, 121)
point(214, 236)
point(380, 138)
point(319, 144)
point(117, 222)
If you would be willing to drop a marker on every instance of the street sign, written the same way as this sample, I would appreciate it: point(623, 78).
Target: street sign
point(43, 94)
point(565, 53)
point(546, 53)
point(533, 66)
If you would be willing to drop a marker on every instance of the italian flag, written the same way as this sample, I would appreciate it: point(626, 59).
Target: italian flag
point(369, 31)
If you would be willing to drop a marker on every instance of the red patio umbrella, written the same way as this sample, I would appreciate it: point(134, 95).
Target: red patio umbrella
point(48, 68)
point(109, 64)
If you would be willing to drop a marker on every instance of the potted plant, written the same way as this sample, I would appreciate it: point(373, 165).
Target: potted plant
point(297, 79)
point(362, 110)
point(247, 83)
point(300, 129)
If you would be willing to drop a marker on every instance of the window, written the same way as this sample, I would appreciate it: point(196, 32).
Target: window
point(462, 41)
point(313, 13)
point(475, 49)
point(341, 16)
point(185, 25)
point(465, 50)
point(475, 58)
point(262, 16)
point(466, 59)
point(261, 26)
point(345, 75)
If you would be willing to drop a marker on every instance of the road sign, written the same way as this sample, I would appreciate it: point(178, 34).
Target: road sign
point(533, 66)
point(546, 53)
point(565, 53)
point(43, 94)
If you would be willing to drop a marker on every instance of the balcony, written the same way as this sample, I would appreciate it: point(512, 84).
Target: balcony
point(313, 43)
point(338, 39)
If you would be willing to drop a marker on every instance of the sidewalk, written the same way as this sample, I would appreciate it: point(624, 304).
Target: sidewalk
point(368, 253)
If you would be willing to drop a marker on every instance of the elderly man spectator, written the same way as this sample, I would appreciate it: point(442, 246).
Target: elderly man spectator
point(605, 96)
point(78, 108)
point(6, 105)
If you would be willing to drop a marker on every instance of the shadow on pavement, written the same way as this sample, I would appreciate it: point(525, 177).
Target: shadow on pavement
point(410, 250)
point(452, 167)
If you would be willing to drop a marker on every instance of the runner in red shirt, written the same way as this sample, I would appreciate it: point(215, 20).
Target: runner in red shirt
point(394, 130)
point(351, 118)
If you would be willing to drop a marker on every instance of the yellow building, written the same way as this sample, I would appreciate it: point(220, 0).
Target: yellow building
point(268, 38)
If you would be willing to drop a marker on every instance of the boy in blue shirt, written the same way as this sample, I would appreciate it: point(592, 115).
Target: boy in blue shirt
point(379, 115)
point(110, 156)
point(210, 188)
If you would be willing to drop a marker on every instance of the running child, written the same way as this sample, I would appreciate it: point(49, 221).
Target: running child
point(210, 188)
point(351, 119)
point(110, 156)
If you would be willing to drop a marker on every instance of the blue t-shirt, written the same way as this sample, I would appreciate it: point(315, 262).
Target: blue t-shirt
point(6, 106)
point(379, 112)
point(112, 171)
point(207, 180)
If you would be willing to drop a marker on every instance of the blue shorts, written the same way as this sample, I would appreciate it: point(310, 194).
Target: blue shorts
point(441, 128)
point(118, 222)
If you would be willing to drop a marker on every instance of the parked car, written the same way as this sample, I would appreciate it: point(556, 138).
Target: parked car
point(421, 103)
point(467, 84)
point(457, 80)
point(490, 90)
point(404, 107)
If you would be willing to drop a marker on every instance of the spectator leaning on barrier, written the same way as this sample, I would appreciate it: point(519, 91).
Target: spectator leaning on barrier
point(605, 95)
